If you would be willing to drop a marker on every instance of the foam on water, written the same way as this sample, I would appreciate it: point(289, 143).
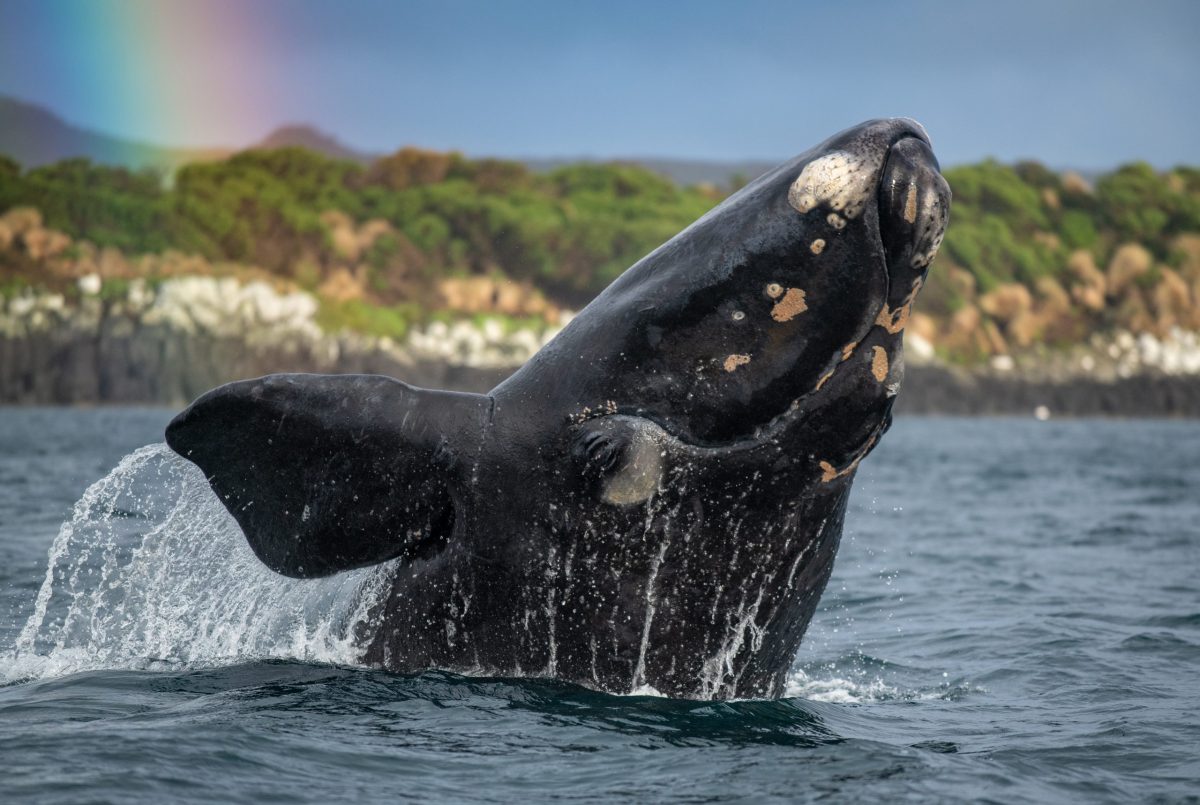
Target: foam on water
point(150, 572)
point(839, 689)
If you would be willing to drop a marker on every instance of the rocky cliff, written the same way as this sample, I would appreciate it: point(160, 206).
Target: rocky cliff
point(170, 341)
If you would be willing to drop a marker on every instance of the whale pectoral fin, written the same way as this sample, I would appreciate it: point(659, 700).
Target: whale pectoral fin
point(326, 473)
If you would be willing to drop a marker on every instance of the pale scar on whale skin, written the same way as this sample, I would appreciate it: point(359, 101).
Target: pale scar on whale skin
point(910, 204)
point(790, 306)
point(879, 364)
point(830, 472)
point(893, 321)
point(734, 361)
point(847, 351)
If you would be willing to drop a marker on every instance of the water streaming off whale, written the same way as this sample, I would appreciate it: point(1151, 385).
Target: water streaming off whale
point(150, 571)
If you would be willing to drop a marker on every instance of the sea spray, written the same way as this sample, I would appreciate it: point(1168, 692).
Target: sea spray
point(150, 571)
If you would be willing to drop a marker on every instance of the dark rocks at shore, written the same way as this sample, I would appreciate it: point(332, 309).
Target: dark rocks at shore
point(159, 365)
point(940, 390)
point(156, 365)
point(172, 344)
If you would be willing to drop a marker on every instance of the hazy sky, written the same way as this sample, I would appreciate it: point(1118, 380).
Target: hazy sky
point(1082, 84)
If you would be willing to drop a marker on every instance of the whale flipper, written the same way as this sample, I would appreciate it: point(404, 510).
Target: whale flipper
point(326, 473)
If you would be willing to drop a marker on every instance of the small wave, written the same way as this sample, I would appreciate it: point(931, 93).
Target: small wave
point(838, 690)
point(832, 685)
point(175, 587)
point(1163, 643)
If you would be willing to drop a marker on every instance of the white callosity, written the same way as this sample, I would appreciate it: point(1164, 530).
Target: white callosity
point(840, 181)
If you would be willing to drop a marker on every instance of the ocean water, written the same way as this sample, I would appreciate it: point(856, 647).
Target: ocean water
point(1014, 616)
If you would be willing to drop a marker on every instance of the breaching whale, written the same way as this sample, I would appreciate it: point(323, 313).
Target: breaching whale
point(655, 498)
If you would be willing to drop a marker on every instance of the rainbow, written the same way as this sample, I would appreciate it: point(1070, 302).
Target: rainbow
point(179, 73)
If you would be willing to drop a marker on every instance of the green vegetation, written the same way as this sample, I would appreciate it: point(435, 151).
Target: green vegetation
point(570, 232)
point(12, 287)
point(357, 316)
point(1019, 223)
point(1031, 255)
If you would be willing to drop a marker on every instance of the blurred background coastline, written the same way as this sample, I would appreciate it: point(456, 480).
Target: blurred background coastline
point(196, 192)
point(138, 274)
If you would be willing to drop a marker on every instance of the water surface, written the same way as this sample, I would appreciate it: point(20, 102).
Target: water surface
point(1015, 614)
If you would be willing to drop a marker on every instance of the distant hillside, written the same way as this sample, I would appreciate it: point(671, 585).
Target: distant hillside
point(35, 136)
point(314, 140)
point(684, 172)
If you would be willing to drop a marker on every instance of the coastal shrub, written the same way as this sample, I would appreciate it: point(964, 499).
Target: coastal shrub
point(1078, 230)
point(357, 316)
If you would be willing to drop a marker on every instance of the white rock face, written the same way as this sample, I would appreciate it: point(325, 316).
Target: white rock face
point(89, 284)
point(1003, 363)
point(1176, 354)
point(466, 344)
point(31, 313)
point(918, 348)
point(228, 308)
point(261, 316)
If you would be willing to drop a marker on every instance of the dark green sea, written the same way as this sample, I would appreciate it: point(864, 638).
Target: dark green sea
point(1014, 616)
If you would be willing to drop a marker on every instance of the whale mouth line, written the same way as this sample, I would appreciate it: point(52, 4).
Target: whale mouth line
point(880, 182)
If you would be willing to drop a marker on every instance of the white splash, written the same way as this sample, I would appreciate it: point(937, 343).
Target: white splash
point(853, 686)
point(839, 690)
point(151, 572)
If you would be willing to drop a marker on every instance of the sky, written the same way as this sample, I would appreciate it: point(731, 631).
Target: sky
point(1076, 84)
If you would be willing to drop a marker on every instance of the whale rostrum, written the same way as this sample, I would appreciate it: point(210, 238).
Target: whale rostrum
point(654, 500)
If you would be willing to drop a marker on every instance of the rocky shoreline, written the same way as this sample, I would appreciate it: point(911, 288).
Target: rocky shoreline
point(941, 390)
point(168, 343)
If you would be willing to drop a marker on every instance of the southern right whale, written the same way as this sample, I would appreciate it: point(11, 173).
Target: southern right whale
point(655, 499)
